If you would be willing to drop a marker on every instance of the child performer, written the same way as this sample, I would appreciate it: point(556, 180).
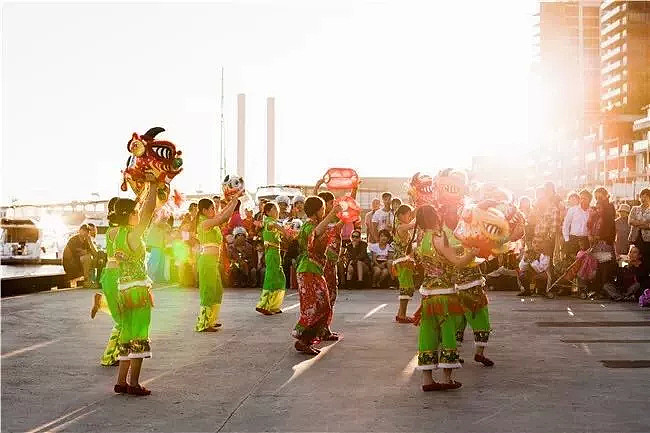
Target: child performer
point(210, 238)
point(315, 307)
point(107, 300)
point(274, 279)
point(135, 299)
point(332, 254)
point(471, 292)
point(440, 307)
point(403, 264)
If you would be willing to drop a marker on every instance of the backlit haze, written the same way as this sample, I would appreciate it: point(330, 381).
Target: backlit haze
point(387, 88)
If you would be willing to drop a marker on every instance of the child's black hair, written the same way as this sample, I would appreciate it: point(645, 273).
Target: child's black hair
point(426, 218)
point(122, 210)
point(205, 203)
point(268, 206)
point(326, 196)
point(312, 205)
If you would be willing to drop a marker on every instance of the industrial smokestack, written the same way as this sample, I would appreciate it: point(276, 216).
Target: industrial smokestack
point(241, 135)
point(270, 141)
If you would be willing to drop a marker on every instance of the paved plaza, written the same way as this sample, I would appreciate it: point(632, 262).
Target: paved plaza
point(549, 374)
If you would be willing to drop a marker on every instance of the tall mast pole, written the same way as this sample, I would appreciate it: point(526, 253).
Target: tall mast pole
point(222, 164)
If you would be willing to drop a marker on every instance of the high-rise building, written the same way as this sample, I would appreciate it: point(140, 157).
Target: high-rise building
point(614, 157)
point(569, 76)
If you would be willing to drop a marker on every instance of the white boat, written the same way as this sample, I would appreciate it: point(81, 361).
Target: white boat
point(20, 240)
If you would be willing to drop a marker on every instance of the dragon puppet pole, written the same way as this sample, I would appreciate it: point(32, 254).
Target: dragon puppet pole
point(222, 162)
point(575, 262)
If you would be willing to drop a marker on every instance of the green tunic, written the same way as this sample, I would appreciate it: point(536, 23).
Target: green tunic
point(135, 299)
point(210, 286)
point(274, 278)
point(110, 286)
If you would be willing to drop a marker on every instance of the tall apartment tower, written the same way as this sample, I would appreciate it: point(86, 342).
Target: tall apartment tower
point(625, 45)
point(569, 73)
point(624, 162)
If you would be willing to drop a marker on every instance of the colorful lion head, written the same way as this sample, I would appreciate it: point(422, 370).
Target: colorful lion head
point(451, 187)
point(151, 158)
point(232, 186)
point(485, 227)
point(421, 190)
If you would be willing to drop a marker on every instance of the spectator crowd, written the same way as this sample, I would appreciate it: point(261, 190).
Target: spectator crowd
point(581, 245)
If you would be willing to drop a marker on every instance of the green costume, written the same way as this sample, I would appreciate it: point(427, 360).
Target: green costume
point(274, 279)
point(404, 266)
point(469, 285)
point(135, 299)
point(440, 309)
point(210, 287)
point(110, 286)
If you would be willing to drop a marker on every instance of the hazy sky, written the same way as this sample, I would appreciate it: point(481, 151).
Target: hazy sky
point(388, 88)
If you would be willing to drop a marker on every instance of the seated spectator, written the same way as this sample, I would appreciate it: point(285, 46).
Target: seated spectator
point(381, 253)
point(358, 262)
point(243, 272)
point(283, 203)
point(534, 269)
point(261, 262)
point(99, 256)
point(622, 243)
point(632, 279)
point(78, 260)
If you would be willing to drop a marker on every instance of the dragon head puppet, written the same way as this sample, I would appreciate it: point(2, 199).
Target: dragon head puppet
point(151, 159)
point(483, 226)
point(421, 190)
point(451, 187)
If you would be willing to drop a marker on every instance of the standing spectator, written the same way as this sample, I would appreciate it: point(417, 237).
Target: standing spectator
point(249, 224)
point(383, 218)
point(156, 241)
point(573, 199)
point(603, 234)
point(371, 235)
point(574, 229)
point(381, 259)
point(526, 208)
point(357, 258)
point(640, 226)
point(622, 230)
point(549, 221)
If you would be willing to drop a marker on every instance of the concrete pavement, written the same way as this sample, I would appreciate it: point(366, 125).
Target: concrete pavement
point(249, 378)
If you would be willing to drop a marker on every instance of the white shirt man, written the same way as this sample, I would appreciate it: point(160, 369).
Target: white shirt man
point(384, 219)
point(575, 222)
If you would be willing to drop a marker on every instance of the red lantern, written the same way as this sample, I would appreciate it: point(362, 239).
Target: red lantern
point(350, 209)
point(341, 178)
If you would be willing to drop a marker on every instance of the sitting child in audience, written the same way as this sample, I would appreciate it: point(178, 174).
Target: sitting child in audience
point(534, 268)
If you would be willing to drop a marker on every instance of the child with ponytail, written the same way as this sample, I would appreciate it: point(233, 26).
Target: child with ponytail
point(403, 265)
point(440, 307)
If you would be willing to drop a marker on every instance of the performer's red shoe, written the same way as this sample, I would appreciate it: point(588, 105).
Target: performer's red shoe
point(306, 349)
point(435, 386)
point(451, 385)
point(138, 390)
point(483, 360)
point(404, 319)
point(263, 311)
point(120, 389)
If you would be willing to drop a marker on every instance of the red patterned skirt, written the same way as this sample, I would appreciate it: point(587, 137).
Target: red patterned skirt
point(315, 308)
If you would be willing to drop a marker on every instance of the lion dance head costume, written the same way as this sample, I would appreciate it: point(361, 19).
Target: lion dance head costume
point(485, 227)
point(151, 158)
point(421, 190)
